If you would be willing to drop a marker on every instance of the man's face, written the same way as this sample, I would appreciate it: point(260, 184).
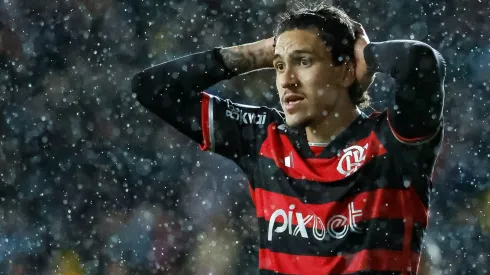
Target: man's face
point(308, 82)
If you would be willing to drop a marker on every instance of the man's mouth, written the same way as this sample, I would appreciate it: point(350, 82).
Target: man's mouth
point(291, 101)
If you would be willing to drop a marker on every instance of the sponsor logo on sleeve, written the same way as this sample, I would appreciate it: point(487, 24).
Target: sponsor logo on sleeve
point(246, 117)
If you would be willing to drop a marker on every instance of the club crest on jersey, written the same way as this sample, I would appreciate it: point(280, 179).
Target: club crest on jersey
point(352, 159)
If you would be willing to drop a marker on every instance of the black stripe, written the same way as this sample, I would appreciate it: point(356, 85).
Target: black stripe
point(376, 174)
point(269, 272)
point(374, 234)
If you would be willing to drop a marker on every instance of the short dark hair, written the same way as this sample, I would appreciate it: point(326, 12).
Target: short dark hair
point(338, 32)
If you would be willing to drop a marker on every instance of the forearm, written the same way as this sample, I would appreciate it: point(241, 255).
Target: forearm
point(249, 57)
point(405, 61)
point(184, 76)
point(196, 72)
point(418, 71)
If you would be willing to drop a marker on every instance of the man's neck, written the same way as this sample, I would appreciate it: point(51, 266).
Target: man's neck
point(330, 126)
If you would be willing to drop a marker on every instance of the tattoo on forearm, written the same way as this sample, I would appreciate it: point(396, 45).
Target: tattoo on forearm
point(240, 60)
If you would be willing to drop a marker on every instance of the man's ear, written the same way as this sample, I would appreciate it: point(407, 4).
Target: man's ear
point(348, 74)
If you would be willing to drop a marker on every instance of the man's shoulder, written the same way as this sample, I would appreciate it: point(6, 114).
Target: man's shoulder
point(378, 122)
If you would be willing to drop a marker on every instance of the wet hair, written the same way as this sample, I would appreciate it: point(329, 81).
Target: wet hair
point(338, 32)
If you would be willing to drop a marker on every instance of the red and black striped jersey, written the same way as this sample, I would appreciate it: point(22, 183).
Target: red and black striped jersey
point(358, 207)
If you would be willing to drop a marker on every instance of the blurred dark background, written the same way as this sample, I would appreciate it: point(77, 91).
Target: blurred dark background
point(91, 183)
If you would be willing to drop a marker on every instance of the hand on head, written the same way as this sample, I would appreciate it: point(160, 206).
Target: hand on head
point(363, 76)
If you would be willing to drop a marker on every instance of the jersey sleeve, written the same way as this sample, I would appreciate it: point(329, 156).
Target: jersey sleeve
point(418, 71)
point(234, 130)
point(174, 92)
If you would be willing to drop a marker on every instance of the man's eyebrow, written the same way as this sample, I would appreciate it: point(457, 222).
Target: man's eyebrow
point(295, 52)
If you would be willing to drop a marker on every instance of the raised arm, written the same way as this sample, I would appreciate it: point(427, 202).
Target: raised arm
point(418, 71)
point(172, 90)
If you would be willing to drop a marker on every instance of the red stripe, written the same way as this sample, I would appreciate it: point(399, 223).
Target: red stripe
point(381, 203)
point(278, 147)
point(366, 260)
point(205, 122)
point(404, 139)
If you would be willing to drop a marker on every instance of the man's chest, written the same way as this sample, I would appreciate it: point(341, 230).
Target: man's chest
point(321, 198)
point(281, 160)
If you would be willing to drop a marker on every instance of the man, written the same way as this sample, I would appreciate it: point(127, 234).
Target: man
point(335, 191)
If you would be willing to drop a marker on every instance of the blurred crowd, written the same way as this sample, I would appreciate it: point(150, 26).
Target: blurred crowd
point(91, 183)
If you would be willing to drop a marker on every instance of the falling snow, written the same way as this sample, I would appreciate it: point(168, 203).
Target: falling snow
point(91, 183)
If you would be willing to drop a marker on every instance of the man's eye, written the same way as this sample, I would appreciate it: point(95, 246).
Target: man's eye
point(279, 66)
point(305, 61)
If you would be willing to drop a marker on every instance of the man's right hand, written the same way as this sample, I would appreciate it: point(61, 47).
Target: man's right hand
point(249, 57)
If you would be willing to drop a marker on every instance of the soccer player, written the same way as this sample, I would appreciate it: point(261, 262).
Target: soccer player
point(335, 191)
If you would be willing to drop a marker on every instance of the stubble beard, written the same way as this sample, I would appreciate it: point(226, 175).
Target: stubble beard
point(302, 123)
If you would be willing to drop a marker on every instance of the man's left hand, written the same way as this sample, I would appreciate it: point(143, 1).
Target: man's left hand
point(363, 76)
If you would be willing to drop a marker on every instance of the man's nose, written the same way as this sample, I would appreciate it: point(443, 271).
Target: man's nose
point(289, 79)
